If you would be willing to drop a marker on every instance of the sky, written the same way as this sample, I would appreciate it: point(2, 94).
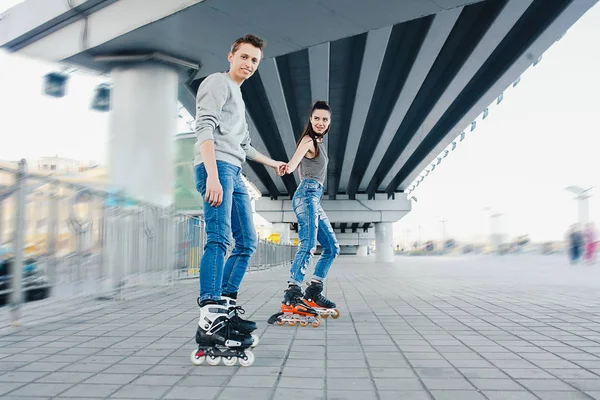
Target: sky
point(540, 139)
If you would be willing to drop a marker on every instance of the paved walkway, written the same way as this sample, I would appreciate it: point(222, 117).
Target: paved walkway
point(465, 328)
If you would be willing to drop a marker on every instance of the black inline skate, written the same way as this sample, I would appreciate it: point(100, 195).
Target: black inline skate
point(218, 340)
point(314, 298)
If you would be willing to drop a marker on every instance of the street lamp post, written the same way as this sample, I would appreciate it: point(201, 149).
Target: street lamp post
point(496, 236)
point(443, 222)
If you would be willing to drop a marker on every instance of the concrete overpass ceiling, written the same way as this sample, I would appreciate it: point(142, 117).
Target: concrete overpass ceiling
point(501, 17)
point(402, 49)
point(535, 20)
point(203, 32)
point(433, 42)
point(471, 25)
point(403, 78)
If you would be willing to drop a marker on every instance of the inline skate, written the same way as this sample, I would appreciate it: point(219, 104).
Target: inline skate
point(294, 310)
point(314, 298)
point(218, 340)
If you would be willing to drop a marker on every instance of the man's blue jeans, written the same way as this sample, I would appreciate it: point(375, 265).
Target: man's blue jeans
point(233, 216)
point(313, 225)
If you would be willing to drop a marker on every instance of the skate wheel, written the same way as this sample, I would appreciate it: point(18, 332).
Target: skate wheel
point(325, 316)
point(213, 360)
point(292, 323)
point(280, 323)
point(229, 361)
point(196, 358)
point(249, 359)
point(303, 323)
point(255, 340)
point(316, 323)
point(336, 315)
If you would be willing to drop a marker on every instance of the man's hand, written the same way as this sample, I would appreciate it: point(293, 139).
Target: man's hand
point(280, 168)
point(214, 191)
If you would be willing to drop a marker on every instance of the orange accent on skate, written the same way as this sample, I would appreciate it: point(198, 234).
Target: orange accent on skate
point(298, 310)
point(287, 309)
point(311, 304)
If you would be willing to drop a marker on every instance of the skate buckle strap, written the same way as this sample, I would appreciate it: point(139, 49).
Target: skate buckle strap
point(215, 327)
point(218, 310)
point(233, 343)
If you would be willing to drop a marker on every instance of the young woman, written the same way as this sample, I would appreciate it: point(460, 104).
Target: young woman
point(313, 224)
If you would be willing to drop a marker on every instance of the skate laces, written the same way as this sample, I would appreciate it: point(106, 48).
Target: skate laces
point(238, 310)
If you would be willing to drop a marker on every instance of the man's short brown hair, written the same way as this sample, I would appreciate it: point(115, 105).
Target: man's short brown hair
point(250, 39)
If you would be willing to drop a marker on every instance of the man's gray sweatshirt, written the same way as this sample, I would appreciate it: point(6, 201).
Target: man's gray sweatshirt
point(221, 117)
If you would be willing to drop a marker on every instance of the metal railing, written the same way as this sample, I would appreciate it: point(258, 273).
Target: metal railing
point(61, 239)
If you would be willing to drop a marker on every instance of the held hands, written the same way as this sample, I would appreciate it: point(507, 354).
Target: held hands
point(280, 168)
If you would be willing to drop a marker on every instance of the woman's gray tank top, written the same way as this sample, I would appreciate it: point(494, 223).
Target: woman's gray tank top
point(315, 168)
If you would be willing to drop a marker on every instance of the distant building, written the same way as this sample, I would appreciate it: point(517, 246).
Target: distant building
point(61, 165)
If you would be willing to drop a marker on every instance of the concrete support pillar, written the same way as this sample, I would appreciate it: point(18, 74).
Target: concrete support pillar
point(583, 210)
point(362, 251)
point(143, 123)
point(284, 232)
point(384, 242)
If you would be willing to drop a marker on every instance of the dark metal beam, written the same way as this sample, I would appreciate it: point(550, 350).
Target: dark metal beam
point(372, 59)
point(274, 90)
point(346, 59)
point(289, 91)
point(295, 80)
point(403, 47)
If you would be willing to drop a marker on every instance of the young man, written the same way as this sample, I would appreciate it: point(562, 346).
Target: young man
point(223, 144)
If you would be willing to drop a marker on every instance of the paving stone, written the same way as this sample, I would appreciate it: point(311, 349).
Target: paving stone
point(417, 328)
